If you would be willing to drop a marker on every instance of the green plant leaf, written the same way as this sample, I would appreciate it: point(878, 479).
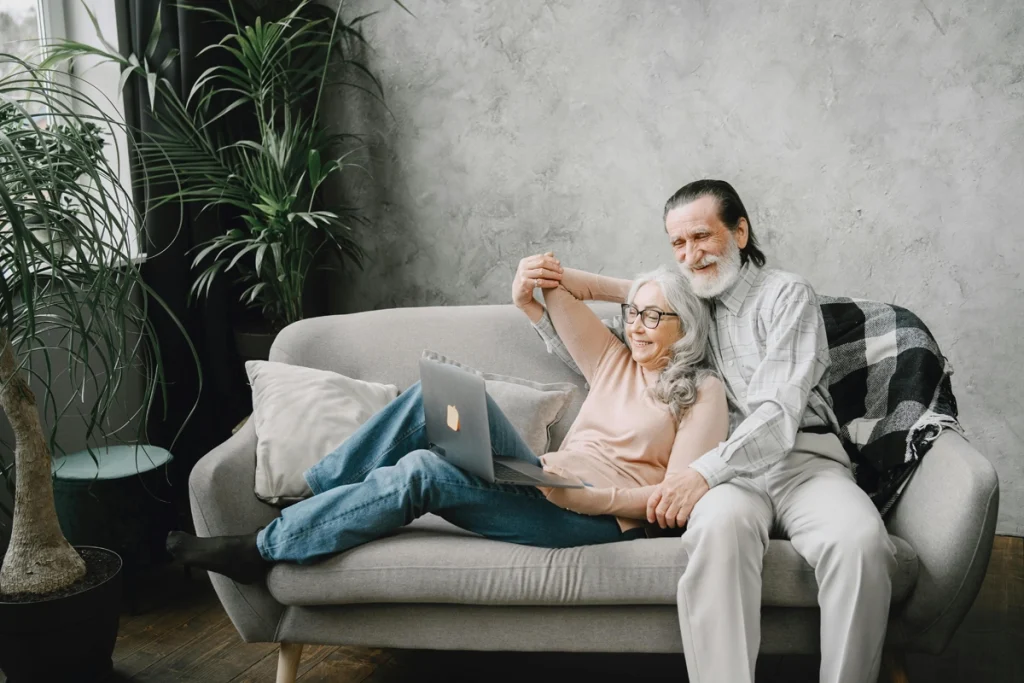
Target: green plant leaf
point(154, 35)
point(314, 167)
point(151, 88)
point(249, 295)
point(126, 74)
point(172, 54)
point(96, 27)
point(260, 253)
point(308, 218)
point(204, 253)
point(240, 254)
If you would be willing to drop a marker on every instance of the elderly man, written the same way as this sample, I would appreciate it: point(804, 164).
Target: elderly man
point(782, 468)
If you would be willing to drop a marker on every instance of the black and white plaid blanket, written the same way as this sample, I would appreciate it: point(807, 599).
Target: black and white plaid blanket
point(890, 390)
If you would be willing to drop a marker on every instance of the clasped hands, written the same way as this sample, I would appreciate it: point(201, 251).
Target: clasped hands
point(669, 504)
point(541, 270)
point(672, 501)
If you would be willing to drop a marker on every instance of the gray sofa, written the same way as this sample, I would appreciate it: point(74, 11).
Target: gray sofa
point(433, 586)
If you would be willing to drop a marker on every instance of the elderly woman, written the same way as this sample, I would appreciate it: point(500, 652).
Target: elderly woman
point(653, 407)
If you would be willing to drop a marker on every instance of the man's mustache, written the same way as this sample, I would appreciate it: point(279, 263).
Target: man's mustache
point(706, 261)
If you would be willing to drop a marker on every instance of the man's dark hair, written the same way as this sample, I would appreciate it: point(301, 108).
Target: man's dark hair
point(730, 211)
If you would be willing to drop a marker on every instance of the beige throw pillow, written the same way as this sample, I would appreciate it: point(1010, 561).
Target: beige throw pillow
point(530, 406)
point(301, 415)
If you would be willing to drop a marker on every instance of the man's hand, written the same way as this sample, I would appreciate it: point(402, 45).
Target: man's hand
point(672, 501)
point(542, 270)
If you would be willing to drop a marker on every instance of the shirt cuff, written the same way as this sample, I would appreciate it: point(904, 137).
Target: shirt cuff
point(545, 328)
point(713, 468)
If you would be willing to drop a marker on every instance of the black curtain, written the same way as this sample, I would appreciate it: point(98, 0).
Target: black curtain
point(169, 234)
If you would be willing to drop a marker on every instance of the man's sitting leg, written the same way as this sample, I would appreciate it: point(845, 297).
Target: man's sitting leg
point(719, 594)
point(835, 527)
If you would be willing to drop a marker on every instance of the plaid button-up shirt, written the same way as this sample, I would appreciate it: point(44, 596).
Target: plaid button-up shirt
point(768, 343)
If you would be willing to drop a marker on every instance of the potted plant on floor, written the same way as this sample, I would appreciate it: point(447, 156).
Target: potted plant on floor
point(250, 138)
point(73, 307)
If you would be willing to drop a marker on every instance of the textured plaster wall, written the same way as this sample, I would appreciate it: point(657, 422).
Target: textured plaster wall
point(879, 146)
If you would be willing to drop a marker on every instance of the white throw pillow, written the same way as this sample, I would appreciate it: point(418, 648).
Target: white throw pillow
point(530, 406)
point(301, 415)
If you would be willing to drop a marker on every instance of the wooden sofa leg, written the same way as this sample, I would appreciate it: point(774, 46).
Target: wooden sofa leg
point(894, 667)
point(288, 662)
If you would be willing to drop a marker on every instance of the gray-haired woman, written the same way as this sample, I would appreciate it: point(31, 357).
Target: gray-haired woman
point(653, 407)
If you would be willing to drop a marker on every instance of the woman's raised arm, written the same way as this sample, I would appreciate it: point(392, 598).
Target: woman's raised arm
point(584, 335)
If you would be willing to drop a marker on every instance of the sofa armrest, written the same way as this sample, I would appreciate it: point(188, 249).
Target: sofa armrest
point(948, 515)
point(223, 503)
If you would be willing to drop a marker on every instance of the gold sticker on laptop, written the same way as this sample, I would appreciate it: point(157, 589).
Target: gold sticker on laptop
point(453, 418)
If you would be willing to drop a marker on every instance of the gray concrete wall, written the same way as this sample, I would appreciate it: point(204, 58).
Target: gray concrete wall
point(879, 146)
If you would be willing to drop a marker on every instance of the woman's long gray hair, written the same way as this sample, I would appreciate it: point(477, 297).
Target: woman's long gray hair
point(689, 364)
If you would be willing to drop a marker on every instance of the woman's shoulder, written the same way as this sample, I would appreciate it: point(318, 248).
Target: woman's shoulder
point(711, 389)
point(711, 383)
point(617, 358)
point(710, 403)
point(614, 366)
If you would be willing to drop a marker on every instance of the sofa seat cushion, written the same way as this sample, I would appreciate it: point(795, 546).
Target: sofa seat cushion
point(432, 561)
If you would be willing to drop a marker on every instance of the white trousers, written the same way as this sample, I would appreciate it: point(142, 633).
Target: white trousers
point(811, 498)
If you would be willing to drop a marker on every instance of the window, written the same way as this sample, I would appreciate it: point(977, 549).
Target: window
point(19, 25)
point(24, 22)
point(19, 30)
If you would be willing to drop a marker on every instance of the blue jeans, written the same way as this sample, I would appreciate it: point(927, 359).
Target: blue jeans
point(383, 477)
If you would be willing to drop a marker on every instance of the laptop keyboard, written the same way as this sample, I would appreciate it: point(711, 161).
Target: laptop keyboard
point(504, 473)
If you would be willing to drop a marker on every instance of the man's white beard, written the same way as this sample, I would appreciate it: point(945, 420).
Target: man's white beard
point(726, 274)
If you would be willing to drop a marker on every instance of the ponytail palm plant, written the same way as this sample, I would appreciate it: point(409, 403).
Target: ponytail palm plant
point(249, 136)
point(73, 307)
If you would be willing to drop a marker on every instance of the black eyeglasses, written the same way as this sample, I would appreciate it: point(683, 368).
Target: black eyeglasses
point(650, 316)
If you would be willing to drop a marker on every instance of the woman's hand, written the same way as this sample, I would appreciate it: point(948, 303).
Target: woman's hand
point(584, 500)
point(541, 270)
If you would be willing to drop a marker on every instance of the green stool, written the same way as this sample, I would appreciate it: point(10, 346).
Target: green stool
point(120, 505)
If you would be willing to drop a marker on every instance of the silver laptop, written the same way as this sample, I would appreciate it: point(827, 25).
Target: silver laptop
point(455, 408)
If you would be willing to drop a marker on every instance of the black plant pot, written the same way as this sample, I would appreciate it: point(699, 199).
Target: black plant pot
point(66, 638)
point(254, 343)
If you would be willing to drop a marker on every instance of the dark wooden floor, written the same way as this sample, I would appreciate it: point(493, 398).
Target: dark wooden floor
point(181, 634)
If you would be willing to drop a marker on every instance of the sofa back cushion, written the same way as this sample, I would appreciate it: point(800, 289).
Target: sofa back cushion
point(385, 346)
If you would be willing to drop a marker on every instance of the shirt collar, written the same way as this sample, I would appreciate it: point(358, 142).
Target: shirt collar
point(733, 297)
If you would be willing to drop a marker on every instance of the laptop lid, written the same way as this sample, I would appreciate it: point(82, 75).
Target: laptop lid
point(455, 412)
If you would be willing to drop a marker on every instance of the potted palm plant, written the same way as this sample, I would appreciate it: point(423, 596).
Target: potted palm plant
point(72, 306)
point(270, 163)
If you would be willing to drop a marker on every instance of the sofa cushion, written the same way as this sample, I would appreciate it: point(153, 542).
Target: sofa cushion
point(432, 561)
